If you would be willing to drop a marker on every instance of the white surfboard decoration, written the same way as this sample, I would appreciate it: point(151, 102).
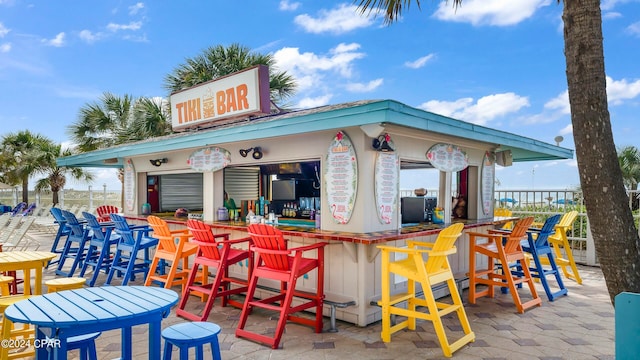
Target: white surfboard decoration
point(341, 178)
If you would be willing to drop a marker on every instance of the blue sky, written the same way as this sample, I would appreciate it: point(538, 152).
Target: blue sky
point(496, 63)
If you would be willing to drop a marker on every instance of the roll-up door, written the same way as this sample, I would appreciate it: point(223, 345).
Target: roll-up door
point(181, 191)
point(242, 183)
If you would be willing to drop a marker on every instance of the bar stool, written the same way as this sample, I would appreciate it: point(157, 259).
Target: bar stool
point(60, 284)
point(5, 282)
point(15, 331)
point(191, 334)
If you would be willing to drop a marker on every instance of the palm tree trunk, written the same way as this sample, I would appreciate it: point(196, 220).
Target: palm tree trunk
point(25, 190)
point(614, 234)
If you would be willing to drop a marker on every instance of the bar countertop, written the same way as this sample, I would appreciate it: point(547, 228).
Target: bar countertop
point(406, 232)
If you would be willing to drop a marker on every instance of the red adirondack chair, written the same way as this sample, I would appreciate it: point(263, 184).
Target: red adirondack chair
point(214, 251)
point(103, 212)
point(277, 262)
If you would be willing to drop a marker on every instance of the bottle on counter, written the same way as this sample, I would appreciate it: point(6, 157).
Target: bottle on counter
point(318, 219)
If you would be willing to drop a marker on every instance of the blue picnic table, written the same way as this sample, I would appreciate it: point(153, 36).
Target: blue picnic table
point(68, 313)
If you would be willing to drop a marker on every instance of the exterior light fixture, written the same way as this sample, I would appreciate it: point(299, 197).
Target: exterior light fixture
point(158, 162)
point(257, 152)
point(383, 143)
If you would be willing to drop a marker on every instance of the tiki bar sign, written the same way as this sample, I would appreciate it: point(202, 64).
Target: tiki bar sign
point(237, 95)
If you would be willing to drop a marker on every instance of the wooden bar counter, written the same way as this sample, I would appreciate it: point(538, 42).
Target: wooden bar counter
point(352, 267)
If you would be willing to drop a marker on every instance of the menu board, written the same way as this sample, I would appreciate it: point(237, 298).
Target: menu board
point(129, 185)
point(209, 159)
point(447, 157)
point(341, 178)
point(386, 187)
point(486, 182)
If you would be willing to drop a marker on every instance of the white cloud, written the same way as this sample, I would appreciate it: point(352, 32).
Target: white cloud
point(57, 41)
point(611, 15)
point(308, 68)
point(339, 20)
point(89, 37)
point(5, 48)
point(560, 102)
point(634, 28)
point(134, 25)
point(3, 30)
point(489, 12)
point(134, 9)
point(610, 4)
point(314, 102)
point(481, 112)
point(617, 92)
point(420, 62)
point(285, 5)
point(567, 130)
point(368, 87)
point(620, 90)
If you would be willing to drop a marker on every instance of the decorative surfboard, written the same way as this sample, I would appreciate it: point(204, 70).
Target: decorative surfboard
point(129, 185)
point(341, 178)
point(487, 177)
point(387, 175)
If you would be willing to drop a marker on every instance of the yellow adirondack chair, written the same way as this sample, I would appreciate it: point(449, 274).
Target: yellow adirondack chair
point(502, 212)
point(434, 270)
point(562, 249)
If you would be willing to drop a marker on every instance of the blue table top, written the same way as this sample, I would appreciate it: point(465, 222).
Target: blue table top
point(106, 307)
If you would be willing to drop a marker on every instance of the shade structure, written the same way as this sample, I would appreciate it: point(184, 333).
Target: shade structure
point(565, 202)
point(4, 186)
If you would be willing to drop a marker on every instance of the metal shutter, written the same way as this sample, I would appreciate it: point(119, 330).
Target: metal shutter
point(181, 191)
point(241, 183)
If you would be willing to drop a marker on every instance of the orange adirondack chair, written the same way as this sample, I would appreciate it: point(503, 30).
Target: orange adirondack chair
point(277, 262)
point(504, 248)
point(214, 251)
point(172, 251)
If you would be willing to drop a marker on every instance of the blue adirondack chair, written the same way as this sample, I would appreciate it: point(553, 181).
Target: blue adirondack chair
point(103, 241)
point(133, 240)
point(537, 245)
point(62, 233)
point(76, 245)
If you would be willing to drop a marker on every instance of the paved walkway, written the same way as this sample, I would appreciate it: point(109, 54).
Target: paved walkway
point(578, 326)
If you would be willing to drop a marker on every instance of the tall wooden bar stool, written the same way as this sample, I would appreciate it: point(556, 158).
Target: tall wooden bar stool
point(435, 270)
point(502, 248)
point(191, 334)
point(537, 248)
point(215, 251)
point(277, 262)
point(562, 248)
point(169, 250)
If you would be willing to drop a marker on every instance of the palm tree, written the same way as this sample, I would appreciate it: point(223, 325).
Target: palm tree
point(615, 236)
point(56, 177)
point(218, 61)
point(115, 120)
point(24, 154)
point(629, 160)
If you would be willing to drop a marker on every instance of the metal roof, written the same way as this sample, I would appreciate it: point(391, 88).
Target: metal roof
point(328, 117)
